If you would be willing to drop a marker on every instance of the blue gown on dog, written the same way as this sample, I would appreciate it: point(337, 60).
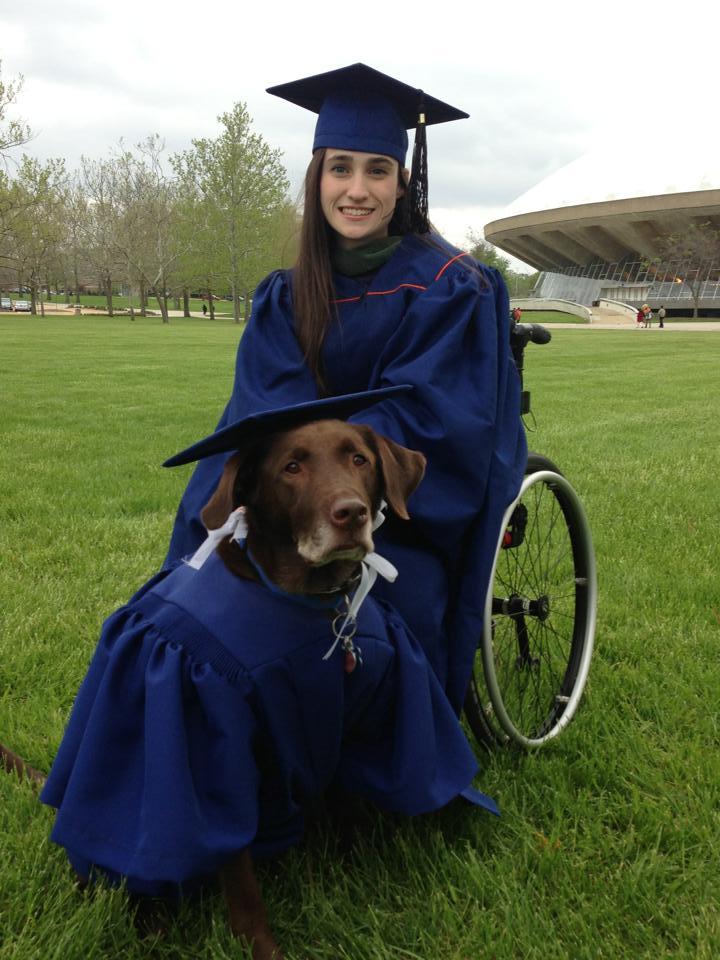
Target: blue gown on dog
point(433, 318)
point(208, 715)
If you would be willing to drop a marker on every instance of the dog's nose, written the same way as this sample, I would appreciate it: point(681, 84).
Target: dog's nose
point(348, 512)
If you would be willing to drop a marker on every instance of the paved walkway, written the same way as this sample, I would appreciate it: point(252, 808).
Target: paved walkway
point(706, 326)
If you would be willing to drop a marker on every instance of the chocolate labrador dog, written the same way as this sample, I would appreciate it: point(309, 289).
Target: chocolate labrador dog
point(310, 497)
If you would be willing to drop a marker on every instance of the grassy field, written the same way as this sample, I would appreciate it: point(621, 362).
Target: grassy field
point(609, 842)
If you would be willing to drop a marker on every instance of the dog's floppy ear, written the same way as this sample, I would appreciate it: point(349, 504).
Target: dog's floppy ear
point(402, 471)
point(220, 505)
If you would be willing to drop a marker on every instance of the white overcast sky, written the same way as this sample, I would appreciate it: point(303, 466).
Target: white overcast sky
point(543, 83)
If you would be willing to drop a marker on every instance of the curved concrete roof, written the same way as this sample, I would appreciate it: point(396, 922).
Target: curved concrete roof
point(609, 205)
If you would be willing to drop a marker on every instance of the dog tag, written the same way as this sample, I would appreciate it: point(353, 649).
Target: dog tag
point(350, 661)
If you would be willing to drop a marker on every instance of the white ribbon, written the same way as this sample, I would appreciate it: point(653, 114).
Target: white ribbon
point(235, 526)
point(379, 518)
point(372, 565)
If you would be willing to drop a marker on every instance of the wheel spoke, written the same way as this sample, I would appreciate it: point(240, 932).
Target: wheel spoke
point(537, 644)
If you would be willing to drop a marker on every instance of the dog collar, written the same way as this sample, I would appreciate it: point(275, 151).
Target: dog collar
point(313, 601)
point(345, 626)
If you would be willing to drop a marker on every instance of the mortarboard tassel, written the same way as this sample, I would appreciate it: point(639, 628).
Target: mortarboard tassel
point(419, 210)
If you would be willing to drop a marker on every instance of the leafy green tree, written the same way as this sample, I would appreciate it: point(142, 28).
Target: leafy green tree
point(234, 186)
point(519, 284)
point(486, 253)
point(690, 256)
point(37, 235)
point(202, 249)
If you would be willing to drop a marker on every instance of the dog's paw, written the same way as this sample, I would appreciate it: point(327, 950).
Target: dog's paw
point(265, 947)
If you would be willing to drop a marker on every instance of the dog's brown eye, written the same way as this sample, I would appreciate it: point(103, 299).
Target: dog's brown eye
point(359, 460)
point(292, 467)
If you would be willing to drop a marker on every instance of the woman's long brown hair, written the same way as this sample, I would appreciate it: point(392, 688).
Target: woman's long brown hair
point(313, 290)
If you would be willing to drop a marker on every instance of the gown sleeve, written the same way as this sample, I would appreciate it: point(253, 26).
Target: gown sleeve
point(269, 371)
point(155, 779)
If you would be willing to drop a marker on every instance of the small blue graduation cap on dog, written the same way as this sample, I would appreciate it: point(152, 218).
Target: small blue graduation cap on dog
point(362, 109)
point(265, 422)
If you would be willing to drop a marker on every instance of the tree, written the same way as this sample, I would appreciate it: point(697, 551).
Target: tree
point(98, 184)
point(132, 214)
point(13, 133)
point(237, 187)
point(76, 216)
point(202, 248)
point(36, 236)
point(690, 256)
point(486, 253)
point(519, 284)
point(145, 233)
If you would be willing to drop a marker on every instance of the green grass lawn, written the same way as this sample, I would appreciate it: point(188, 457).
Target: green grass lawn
point(609, 842)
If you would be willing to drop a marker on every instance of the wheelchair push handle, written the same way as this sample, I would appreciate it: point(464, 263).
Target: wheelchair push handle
point(530, 333)
point(520, 335)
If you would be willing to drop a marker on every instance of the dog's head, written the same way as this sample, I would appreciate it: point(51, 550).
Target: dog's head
point(311, 494)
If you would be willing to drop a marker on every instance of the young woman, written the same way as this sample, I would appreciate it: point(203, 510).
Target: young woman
point(378, 298)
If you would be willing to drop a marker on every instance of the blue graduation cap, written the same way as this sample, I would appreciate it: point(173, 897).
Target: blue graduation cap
point(265, 422)
point(362, 109)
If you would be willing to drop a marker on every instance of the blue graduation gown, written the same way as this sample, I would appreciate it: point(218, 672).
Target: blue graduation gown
point(208, 715)
point(434, 318)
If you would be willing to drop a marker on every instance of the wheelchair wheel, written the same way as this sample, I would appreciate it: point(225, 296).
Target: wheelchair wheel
point(539, 621)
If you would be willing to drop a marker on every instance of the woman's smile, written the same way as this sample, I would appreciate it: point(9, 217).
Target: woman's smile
point(356, 212)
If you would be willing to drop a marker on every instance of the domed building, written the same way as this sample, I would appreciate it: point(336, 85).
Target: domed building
point(594, 227)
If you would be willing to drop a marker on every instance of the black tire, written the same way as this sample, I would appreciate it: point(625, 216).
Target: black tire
point(534, 653)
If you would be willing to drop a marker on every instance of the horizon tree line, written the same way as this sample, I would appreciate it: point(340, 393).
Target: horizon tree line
point(213, 219)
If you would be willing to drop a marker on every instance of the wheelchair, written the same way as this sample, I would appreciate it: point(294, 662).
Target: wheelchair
point(540, 611)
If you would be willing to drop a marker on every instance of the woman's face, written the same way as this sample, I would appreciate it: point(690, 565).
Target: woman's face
point(358, 193)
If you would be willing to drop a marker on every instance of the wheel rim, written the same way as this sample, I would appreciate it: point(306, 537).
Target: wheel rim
point(540, 615)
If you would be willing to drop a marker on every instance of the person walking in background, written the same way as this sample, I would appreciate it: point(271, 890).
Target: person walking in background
point(661, 317)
